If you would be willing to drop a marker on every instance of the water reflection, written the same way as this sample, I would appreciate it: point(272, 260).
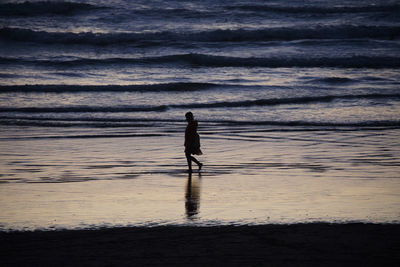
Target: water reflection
point(192, 197)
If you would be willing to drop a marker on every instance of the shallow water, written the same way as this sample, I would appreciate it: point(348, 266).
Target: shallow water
point(248, 178)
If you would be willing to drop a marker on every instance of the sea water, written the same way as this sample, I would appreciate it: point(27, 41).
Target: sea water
point(298, 104)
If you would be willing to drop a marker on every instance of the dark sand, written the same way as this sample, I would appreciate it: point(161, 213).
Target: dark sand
point(267, 245)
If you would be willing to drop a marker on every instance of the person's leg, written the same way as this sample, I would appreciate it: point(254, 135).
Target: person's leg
point(189, 161)
point(196, 161)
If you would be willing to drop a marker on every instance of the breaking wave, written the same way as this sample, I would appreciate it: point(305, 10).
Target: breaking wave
point(237, 35)
point(333, 80)
point(203, 60)
point(150, 123)
point(304, 9)
point(162, 87)
point(222, 104)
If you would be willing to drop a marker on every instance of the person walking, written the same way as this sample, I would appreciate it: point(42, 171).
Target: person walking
point(192, 141)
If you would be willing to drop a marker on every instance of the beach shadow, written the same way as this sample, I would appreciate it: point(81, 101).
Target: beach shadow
point(192, 197)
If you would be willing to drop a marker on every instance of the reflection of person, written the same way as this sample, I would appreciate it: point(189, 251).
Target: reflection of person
point(192, 141)
point(192, 202)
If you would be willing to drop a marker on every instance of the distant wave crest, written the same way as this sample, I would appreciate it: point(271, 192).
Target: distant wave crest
point(237, 35)
point(161, 87)
point(149, 123)
point(334, 80)
point(43, 8)
point(307, 9)
point(203, 60)
point(33, 8)
point(222, 104)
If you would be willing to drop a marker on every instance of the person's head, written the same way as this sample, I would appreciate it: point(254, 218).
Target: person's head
point(189, 116)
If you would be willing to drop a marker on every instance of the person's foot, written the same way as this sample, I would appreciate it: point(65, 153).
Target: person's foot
point(200, 166)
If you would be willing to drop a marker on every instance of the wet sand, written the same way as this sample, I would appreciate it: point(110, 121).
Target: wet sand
point(265, 245)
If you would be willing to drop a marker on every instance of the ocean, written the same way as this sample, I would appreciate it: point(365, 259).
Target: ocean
point(298, 104)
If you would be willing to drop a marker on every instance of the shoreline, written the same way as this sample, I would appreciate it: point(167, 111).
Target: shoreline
point(320, 244)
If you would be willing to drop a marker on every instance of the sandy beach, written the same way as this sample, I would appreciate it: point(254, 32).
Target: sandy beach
point(113, 182)
point(267, 245)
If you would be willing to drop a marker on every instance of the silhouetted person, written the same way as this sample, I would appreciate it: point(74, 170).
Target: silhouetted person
point(192, 141)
